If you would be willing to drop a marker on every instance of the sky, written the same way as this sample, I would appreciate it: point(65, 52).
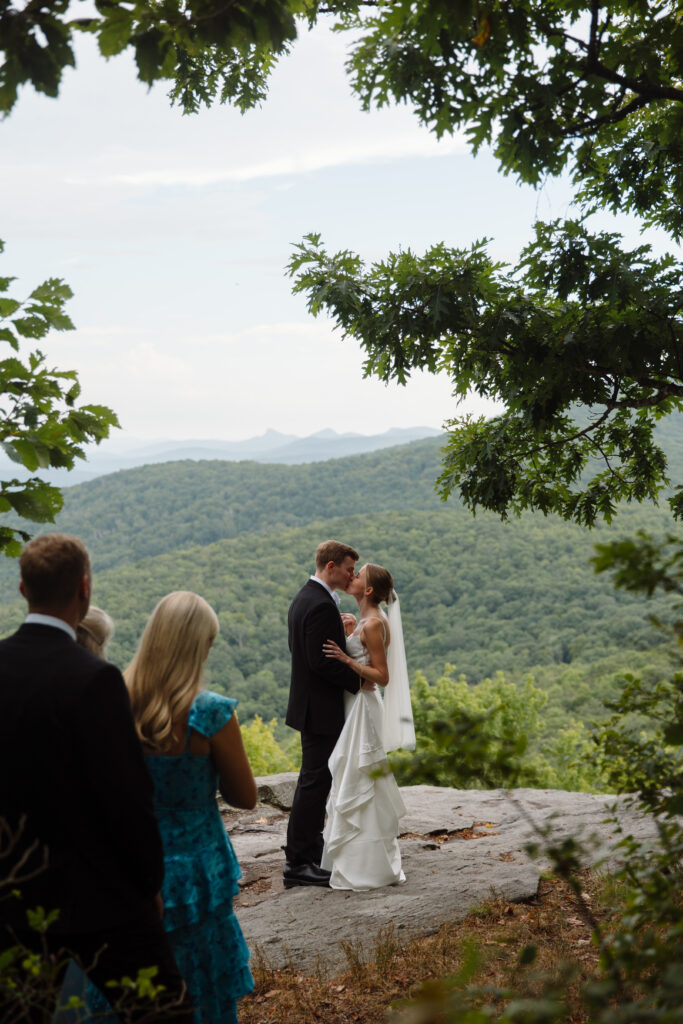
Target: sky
point(174, 232)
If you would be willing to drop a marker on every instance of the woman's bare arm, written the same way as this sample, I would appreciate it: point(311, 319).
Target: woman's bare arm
point(373, 638)
point(236, 780)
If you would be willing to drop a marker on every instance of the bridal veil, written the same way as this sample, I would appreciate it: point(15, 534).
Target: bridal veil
point(399, 730)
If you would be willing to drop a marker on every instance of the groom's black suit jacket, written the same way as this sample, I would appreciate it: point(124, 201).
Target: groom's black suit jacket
point(71, 762)
point(316, 694)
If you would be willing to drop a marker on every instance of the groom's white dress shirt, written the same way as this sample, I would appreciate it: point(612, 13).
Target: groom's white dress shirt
point(38, 619)
point(333, 594)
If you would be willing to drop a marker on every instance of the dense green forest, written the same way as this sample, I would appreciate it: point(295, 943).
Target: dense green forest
point(166, 507)
point(169, 506)
point(477, 593)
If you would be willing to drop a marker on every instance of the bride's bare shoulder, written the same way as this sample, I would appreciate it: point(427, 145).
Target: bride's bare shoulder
point(376, 626)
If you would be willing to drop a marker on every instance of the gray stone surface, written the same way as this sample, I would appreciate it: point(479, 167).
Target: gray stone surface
point(459, 848)
point(277, 790)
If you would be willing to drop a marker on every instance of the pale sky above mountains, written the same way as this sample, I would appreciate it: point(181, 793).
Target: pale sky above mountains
point(174, 233)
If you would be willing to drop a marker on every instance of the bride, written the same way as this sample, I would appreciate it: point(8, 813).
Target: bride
point(361, 834)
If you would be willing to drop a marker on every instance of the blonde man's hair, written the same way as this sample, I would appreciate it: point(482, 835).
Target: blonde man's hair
point(333, 551)
point(95, 630)
point(165, 675)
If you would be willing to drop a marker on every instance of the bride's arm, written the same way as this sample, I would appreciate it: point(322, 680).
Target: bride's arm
point(373, 637)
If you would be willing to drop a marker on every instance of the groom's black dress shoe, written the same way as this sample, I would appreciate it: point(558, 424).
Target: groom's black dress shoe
point(305, 874)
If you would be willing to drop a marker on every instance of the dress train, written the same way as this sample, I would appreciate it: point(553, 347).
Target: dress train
point(363, 809)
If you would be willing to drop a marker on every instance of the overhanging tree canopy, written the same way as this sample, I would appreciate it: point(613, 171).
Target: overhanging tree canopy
point(208, 49)
point(583, 341)
point(580, 324)
point(595, 89)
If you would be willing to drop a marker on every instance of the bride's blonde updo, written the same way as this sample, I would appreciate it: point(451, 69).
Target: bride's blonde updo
point(381, 581)
point(165, 675)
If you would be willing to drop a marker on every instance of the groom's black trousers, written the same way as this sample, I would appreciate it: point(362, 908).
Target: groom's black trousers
point(307, 817)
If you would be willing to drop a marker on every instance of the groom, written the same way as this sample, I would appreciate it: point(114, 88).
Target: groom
point(316, 705)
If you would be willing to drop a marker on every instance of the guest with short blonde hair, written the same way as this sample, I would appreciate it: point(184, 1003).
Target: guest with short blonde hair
point(95, 631)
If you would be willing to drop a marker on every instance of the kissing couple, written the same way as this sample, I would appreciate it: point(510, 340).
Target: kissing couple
point(350, 700)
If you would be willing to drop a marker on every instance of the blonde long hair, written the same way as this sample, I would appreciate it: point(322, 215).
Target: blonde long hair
point(165, 675)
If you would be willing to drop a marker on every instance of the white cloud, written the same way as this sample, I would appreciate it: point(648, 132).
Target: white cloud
point(305, 162)
point(174, 233)
point(297, 377)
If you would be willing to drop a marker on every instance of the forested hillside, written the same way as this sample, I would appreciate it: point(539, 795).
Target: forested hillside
point(477, 593)
point(170, 506)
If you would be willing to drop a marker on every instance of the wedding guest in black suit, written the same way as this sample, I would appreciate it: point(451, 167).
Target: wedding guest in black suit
point(316, 705)
point(93, 632)
point(75, 792)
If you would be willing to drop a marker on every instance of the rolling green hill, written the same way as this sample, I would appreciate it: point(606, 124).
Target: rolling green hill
point(166, 507)
point(477, 593)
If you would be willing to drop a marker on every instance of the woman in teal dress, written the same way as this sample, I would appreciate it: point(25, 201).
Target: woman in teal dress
point(194, 747)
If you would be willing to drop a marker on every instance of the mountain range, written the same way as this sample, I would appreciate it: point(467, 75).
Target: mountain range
point(122, 452)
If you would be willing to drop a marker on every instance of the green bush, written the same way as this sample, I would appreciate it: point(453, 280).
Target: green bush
point(489, 735)
point(265, 754)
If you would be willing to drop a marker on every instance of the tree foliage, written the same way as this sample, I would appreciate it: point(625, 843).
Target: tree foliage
point(580, 323)
point(40, 423)
point(208, 49)
point(489, 735)
point(265, 754)
point(645, 565)
point(594, 89)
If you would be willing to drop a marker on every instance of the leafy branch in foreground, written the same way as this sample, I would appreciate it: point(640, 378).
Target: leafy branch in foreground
point(40, 423)
point(209, 49)
point(594, 89)
point(580, 325)
point(591, 86)
point(644, 565)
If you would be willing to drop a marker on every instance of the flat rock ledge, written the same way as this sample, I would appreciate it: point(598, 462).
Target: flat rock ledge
point(460, 848)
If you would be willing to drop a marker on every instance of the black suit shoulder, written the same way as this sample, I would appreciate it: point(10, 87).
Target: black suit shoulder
point(313, 593)
point(46, 673)
point(33, 644)
point(317, 682)
point(70, 760)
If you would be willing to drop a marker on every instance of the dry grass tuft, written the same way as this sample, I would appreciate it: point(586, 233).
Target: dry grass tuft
point(365, 990)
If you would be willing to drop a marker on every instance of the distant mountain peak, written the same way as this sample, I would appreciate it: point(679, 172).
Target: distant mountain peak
point(271, 447)
point(330, 434)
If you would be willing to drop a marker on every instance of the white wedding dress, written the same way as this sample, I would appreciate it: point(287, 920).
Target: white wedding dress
point(364, 806)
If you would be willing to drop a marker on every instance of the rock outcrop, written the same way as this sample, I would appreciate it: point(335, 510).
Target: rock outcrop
point(459, 847)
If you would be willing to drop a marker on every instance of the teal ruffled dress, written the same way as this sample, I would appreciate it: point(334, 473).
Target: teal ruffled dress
point(201, 873)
